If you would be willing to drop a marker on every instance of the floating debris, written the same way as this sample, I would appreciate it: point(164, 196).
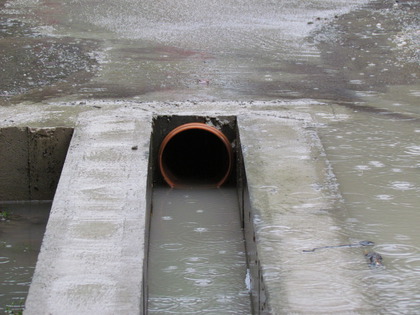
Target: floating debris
point(374, 259)
point(361, 243)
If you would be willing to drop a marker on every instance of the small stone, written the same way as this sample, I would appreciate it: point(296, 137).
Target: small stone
point(134, 147)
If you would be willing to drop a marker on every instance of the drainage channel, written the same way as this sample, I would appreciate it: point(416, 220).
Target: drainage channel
point(198, 259)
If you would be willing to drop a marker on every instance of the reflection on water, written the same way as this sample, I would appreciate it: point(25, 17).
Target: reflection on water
point(197, 253)
point(376, 159)
point(21, 231)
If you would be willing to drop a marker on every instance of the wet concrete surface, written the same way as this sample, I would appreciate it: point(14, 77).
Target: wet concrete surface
point(32, 66)
point(268, 51)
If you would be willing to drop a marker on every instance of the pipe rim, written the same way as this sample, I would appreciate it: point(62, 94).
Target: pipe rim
point(167, 174)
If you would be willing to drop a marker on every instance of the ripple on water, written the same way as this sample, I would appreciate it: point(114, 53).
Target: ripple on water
point(201, 229)
point(384, 197)
point(413, 150)
point(172, 246)
point(168, 305)
point(393, 284)
point(402, 237)
point(376, 164)
point(210, 236)
point(4, 260)
point(407, 266)
point(170, 268)
point(199, 279)
point(401, 257)
point(362, 167)
point(271, 236)
point(401, 185)
point(195, 305)
point(397, 249)
point(196, 260)
point(396, 170)
point(331, 294)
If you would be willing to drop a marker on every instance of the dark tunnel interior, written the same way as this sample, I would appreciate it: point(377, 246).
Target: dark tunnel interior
point(196, 157)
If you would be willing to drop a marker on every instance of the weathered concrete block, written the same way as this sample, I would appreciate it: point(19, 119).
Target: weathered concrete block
point(91, 260)
point(14, 179)
point(31, 161)
point(47, 149)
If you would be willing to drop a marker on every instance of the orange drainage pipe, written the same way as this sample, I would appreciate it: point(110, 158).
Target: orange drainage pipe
point(195, 149)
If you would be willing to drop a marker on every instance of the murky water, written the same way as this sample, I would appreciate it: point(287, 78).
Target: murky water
point(197, 253)
point(21, 233)
point(376, 152)
point(378, 167)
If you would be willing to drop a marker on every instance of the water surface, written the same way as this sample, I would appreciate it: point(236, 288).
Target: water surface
point(21, 235)
point(378, 168)
point(197, 253)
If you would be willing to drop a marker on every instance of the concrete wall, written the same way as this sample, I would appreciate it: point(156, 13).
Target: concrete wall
point(31, 161)
point(259, 296)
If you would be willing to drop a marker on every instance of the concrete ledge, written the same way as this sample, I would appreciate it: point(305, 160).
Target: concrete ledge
point(91, 260)
point(292, 196)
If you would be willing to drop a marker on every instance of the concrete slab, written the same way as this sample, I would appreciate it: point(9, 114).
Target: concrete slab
point(292, 197)
point(91, 261)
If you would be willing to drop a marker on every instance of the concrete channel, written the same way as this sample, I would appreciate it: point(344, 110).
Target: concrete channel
point(94, 253)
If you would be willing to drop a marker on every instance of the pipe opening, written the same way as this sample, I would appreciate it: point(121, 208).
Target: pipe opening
point(195, 154)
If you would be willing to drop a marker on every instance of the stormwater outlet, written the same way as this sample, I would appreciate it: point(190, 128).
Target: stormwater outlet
point(195, 154)
point(201, 243)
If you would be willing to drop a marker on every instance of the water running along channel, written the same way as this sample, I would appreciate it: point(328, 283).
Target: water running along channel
point(197, 260)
